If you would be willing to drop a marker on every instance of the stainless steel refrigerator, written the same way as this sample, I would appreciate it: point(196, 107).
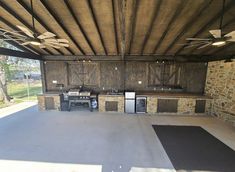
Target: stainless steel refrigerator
point(130, 102)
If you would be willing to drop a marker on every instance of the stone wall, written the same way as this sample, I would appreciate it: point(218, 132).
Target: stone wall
point(220, 84)
point(152, 104)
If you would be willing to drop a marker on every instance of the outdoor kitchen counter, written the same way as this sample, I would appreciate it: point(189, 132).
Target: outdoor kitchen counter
point(172, 95)
point(109, 102)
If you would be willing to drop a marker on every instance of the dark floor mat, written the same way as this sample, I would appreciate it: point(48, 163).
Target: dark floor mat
point(193, 148)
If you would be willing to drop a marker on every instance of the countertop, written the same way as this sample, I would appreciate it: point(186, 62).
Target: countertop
point(162, 95)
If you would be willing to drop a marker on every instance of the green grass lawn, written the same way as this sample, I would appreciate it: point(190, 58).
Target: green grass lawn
point(18, 91)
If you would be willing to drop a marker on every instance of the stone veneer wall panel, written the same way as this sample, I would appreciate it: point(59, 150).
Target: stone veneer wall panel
point(220, 85)
point(151, 104)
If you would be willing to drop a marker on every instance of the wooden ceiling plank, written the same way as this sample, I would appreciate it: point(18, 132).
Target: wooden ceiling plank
point(176, 14)
point(51, 12)
point(79, 25)
point(121, 12)
point(154, 17)
point(115, 27)
point(213, 20)
point(188, 25)
point(96, 25)
point(133, 24)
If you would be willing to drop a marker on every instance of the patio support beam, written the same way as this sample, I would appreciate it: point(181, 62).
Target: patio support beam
point(61, 25)
point(96, 25)
point(79, 25)
point(213, 20)
point(176, 14)
point(142, 58)
point(188, 25)
point(38, 20)
point(121, 11)
point(16, 53)
point(149, 31)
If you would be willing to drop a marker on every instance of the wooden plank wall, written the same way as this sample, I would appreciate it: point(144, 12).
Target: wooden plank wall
point(125, 75)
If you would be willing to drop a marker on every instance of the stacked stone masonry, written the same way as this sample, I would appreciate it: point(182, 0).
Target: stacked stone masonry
point(220, 85)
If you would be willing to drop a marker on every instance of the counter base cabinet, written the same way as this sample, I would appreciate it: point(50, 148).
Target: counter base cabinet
point(108, 103)
point(49, 102)
point(167, 105)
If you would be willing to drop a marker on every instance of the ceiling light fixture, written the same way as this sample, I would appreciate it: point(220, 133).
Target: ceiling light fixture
point(217, 43)
point(35, 42)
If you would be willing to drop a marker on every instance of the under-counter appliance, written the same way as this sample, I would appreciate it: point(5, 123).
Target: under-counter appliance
point(129, 102)
point(141, 104)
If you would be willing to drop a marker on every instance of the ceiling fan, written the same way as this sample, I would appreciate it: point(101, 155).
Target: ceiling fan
point(31, 37)
point(218, 39)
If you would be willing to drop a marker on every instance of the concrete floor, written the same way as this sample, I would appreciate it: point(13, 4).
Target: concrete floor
point(118, 142)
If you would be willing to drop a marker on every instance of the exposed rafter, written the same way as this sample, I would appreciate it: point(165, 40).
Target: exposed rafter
point(189, 24)
point(115, 27)
point(69, 7)
point(16, 53)
point(176, 14)
point(212, 21)
point(122, 10)
point(96, 24)
point(52, 13)
point(39, 20)
point(133, 24)
point(154, 17)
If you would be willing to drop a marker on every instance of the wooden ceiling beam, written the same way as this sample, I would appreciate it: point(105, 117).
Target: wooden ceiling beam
point(121, 12)
point(213, 20)
point(141, 58)
point(176, 14)
point(69, 7)
point(96, 25)
point(115, 27)
point(52, 13)
point(16, 53)
point(39, 20)
point(188, 25)
point(133, 24)
point(154, 17)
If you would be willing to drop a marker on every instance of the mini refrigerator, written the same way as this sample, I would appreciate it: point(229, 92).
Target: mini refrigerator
point(141, 104)
point(130, 102)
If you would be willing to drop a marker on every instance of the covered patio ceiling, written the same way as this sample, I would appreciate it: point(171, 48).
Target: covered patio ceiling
point(123, 29)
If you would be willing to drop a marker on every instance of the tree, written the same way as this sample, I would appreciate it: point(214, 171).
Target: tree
point(4, 69)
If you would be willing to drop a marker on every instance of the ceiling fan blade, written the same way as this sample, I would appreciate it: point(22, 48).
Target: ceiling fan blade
point(54, 46)
point(46, 35)
point(215, 33)
point(198, 39)
point(203, 46)
point(230, 34)
point(25, 43)
point(64, 45)
point(26, 31)
point(42, 46)
point(63, 40)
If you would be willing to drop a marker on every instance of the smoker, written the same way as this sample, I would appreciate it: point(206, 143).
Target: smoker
point(129, 102)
